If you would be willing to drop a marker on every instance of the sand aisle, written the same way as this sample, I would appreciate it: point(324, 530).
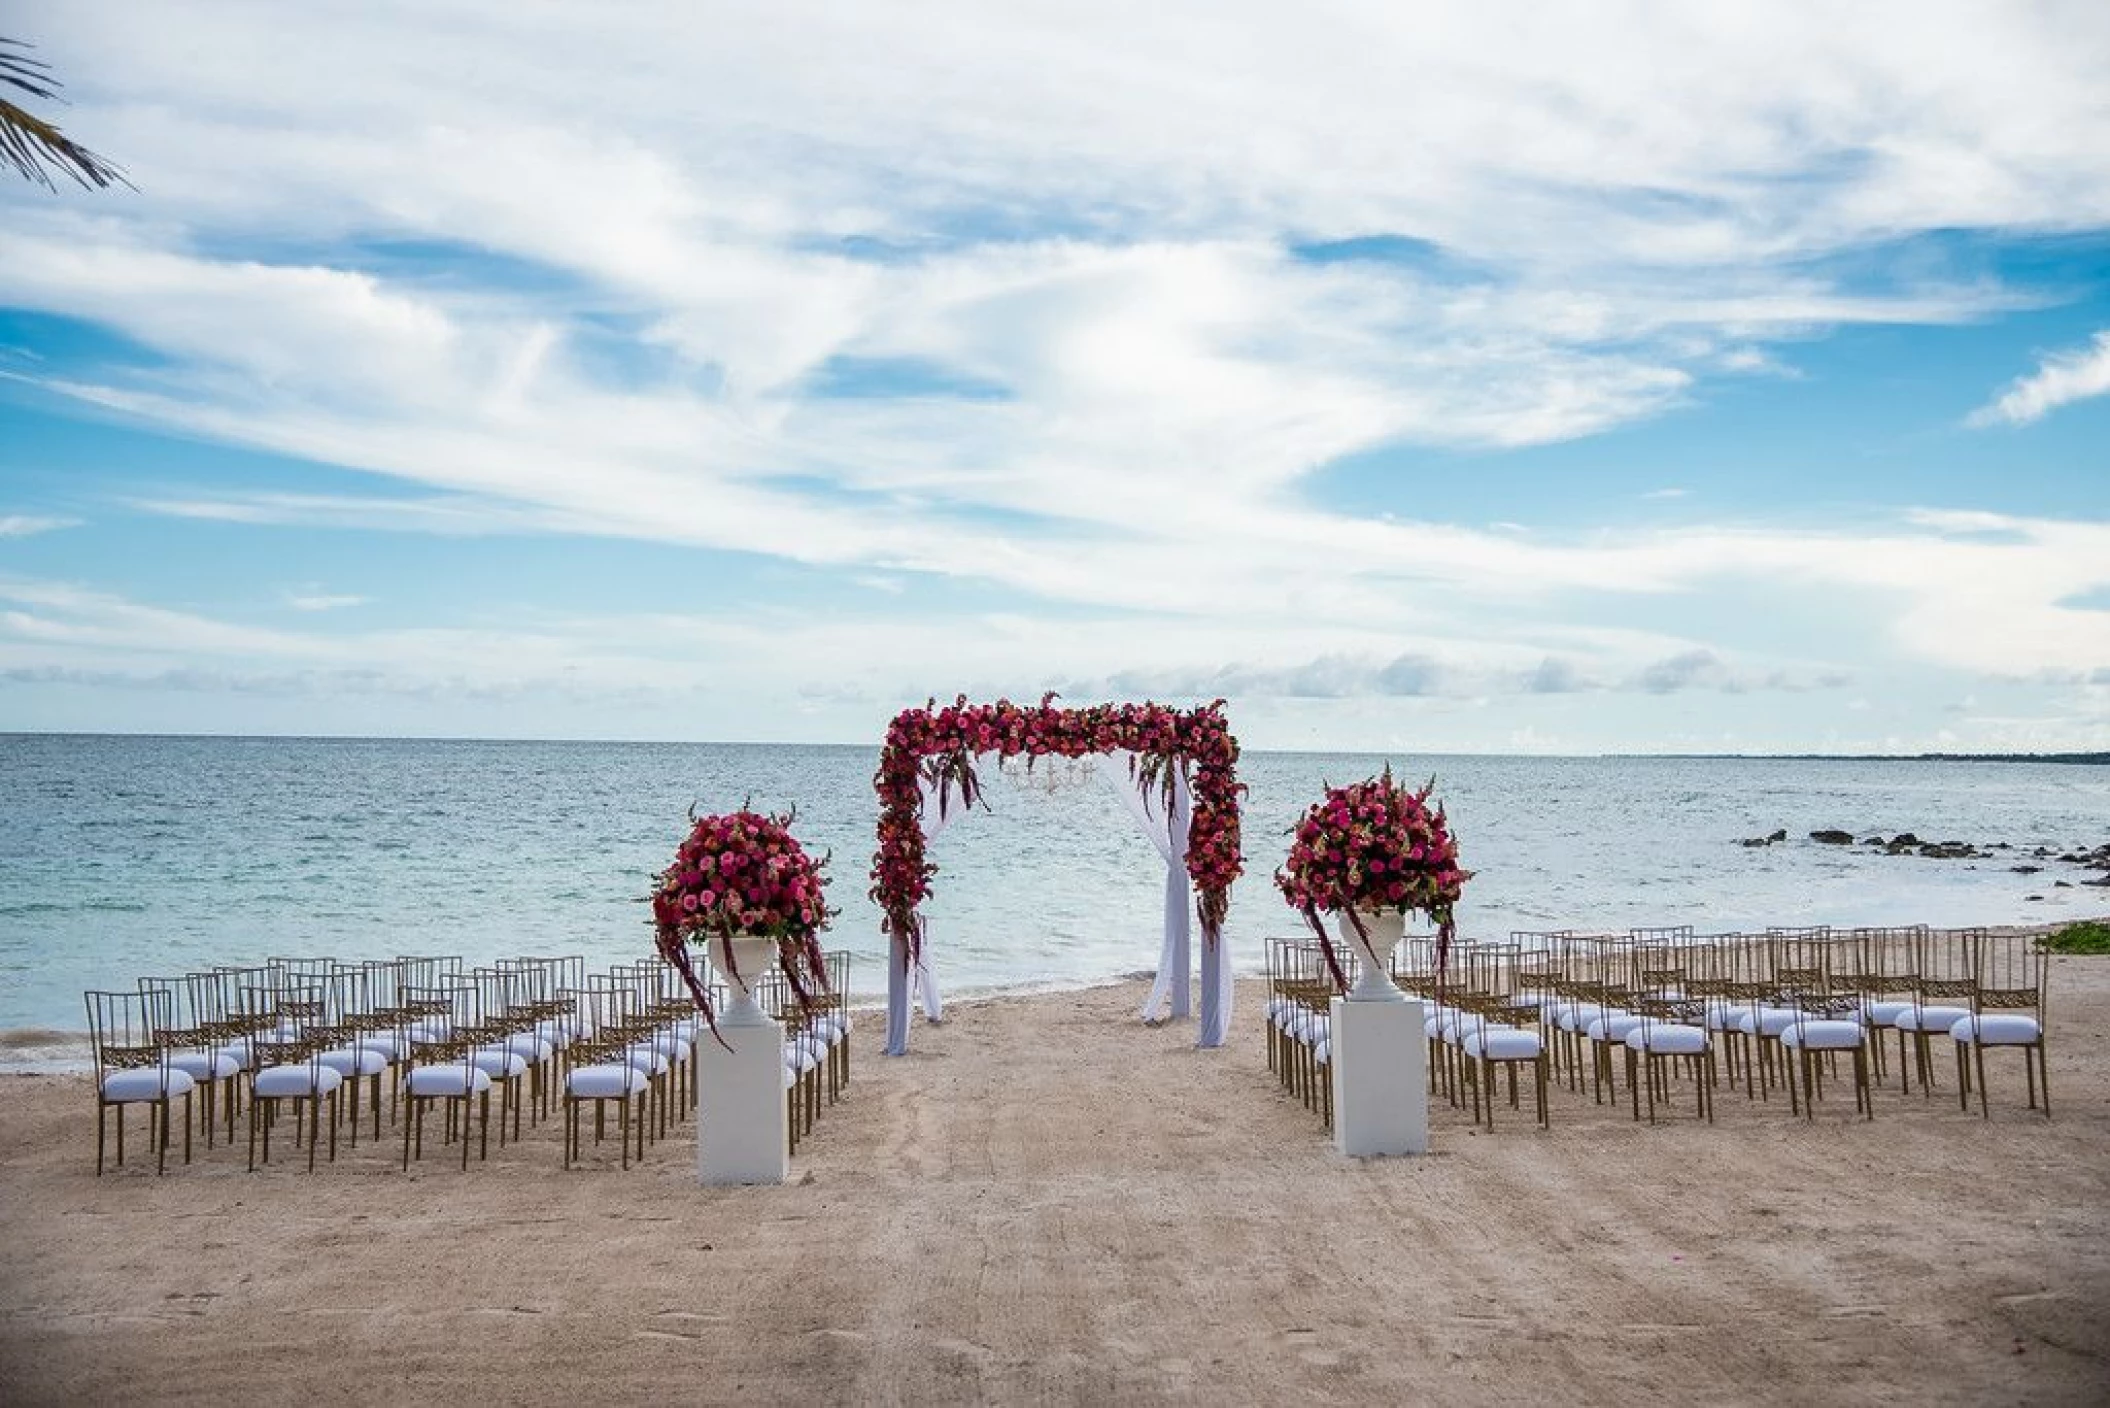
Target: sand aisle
point(1048, 1202)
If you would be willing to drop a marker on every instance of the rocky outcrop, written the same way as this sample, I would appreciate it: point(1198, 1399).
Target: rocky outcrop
point(1833, 838)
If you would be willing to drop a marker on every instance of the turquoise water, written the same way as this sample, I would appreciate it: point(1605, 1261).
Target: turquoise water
point(127, 855)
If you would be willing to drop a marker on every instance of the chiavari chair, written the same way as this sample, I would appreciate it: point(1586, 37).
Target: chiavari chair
point(1884, 976)
point(1942, 989)
point(440, 1031)
point(289, 1069)
point(600, 1070)
point(2009, 973)
point(1669, 1028)
point(132, 1068)
point(179, 1014)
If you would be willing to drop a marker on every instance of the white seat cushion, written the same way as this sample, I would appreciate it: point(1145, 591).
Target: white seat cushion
point(447, 1078)
point(1502, 1044)
point(1668, 1038)
point(389, 1048)
point(277, 1082)
point(1999, 1029)
point(1766, 1021)
point(204, 1065)
point(1884, 1013)
point(354, 1061)
point(646, 1059)
point(497, 1062)
point(1824, 1036)
point(530, 1048)
point(146, 1083)
point(1931, 1019)
point(605, 1082)
point(1612, 1026)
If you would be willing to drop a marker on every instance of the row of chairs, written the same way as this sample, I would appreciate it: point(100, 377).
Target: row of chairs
point(1663, 1007)
point(312, 1036)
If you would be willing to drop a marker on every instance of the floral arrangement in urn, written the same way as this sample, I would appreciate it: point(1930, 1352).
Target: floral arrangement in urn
point(1372, 849)
point(743, 875)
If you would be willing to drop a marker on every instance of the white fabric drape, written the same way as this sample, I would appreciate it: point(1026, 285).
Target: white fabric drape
point(1217, 992)
point(1167, 830)
point(899, 979)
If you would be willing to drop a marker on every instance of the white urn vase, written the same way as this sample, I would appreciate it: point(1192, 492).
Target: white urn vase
point(1384, 929)
point(751, 955)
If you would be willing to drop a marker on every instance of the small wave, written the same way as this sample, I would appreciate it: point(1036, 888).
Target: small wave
point(13, 1039)
point(29, 908)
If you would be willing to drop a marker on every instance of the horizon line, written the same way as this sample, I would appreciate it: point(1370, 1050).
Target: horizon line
point(2082, 757)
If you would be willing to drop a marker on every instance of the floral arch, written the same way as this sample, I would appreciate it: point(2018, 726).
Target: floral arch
point(1183, 764)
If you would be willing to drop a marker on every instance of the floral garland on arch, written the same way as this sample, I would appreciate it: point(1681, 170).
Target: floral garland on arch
point(938, 746)
point(743, 873)
point(1370, 846)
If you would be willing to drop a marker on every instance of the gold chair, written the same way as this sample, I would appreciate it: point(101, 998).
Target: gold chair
point(2009, 973)
point(1669, 1030)
point(442, 1067)
point(132, 1068)
point(600, 1069)
point(290, 1070)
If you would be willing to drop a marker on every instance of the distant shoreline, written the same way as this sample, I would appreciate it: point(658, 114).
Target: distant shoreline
point(2101, 759)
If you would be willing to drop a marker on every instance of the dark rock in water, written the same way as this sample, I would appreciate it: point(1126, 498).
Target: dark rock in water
point(1782, 835)
point(2027, 898)
point(2025, 869)
point(1873, 841)
point(1904, 838)
point(2041, 852)
point(1833, 838)
point(1752, 841)
point(2074, 858)
point(2062, 884)
point(2104, 881)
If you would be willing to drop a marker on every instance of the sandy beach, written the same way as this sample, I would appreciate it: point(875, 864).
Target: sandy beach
point(1048, 1202)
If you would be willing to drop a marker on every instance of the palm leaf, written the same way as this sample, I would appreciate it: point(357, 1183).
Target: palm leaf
point(33, 146)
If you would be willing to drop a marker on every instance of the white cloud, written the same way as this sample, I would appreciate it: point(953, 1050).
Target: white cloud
point(314, 599)
point(2060, 379)
point(636, 322)
point(23, 525)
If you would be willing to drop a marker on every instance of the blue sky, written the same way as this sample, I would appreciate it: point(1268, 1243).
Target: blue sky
point(1712, 378)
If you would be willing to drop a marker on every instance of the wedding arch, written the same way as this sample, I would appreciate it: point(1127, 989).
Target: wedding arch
point(1182, 786)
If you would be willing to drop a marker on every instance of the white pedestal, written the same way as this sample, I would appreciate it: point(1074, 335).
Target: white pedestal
point(1380, 1078)
point(741, 1126)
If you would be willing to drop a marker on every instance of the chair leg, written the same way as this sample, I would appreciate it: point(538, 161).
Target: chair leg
point(1985, 1108)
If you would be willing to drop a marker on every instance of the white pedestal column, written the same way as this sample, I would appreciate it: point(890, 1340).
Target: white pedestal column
point(1380, 1078)
point(741, 1126)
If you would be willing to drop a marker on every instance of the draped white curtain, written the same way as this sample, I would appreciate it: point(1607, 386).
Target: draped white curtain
point(1167, 828)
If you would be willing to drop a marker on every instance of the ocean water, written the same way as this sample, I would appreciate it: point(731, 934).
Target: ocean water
point(123, 856)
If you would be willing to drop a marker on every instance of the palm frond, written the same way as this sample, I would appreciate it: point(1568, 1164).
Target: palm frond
point(33, 146)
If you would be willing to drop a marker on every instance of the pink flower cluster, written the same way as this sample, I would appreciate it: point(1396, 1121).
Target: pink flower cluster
point(940, 745)
point(744, 873)
point(1374, 845)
